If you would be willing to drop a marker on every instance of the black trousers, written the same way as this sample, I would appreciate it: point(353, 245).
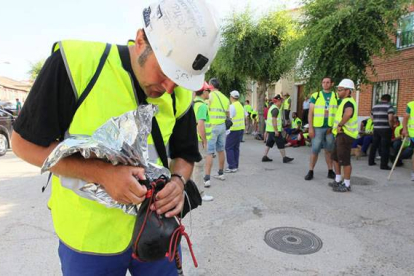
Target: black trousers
point(381, 140)
point(305, 117)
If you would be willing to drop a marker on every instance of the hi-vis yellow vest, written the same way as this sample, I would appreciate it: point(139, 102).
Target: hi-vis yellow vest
point(198, 101)
point(296, 122)
point(369, 127)
point(238, 120)
point(411, 120)
point(286, 104)
point(269, 124)
point(82, 224)
point(217, 110)
point(351, 127)
point(319, 110)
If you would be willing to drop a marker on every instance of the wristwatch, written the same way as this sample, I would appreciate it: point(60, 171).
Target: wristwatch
point(180, 177)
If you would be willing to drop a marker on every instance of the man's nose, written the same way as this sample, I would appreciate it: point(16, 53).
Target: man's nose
point(169, 86)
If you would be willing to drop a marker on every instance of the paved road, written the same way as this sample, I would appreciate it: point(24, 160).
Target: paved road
point(369, 231)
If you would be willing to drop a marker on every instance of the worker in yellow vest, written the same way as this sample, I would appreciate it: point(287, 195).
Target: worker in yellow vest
point(219, 111)
point(322, 111)
point(254, 117)
point(287, 104)
point(365, 136)
point(274, 131)
point(248, 112)
point(408, 128)
point(83, 85)
point(203, 128)
point(345, 129)
point(233, 138)
point(397, 143)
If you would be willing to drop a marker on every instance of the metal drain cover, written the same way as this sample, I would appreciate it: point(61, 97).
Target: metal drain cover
point(362, 181)
point(293, 240)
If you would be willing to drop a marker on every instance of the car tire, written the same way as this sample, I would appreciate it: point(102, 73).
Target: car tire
point(4, 144)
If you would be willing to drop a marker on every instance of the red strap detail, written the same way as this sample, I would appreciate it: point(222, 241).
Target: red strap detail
point(180, 231)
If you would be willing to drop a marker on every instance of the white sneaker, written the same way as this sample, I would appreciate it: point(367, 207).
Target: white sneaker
point(207, 184)
point(230, 170)
point(220, 177)
point(412, 176)
point(207, 198)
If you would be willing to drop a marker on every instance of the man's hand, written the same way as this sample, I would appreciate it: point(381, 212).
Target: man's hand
point(311, 132)
point(404, 133)
point(170, 199)
point(204, 144)
point(339, 129)
point(277, 133)
point(121, 183)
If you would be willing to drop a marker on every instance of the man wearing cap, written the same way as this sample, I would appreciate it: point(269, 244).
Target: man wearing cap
point(345, 129)
point(274, 131)
point(84, 84)
point(218, 109)
point(233, 139)
point(203, 126)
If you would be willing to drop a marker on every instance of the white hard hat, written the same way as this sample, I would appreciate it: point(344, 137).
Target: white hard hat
point(235, 94)
point(185, 37)
point(347, 83)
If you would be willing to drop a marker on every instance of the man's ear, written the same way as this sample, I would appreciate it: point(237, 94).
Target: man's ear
point(139, 40)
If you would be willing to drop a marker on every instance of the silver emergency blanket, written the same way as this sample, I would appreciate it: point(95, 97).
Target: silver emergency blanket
point(122, 141)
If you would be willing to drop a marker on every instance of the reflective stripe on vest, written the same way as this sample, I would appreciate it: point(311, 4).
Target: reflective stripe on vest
point(351, 127)
point(319, 109)
point(269, 123)
point(82, 224)
point(410, 124)
point(207, 126)
point(217, 112)
point(238, 120)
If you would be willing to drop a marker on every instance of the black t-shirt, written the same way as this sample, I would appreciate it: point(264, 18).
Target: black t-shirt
point(51, 105)
point(349, 105)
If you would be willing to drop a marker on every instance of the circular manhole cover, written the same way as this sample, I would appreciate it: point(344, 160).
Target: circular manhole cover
point(293, 240)
point(363, 181)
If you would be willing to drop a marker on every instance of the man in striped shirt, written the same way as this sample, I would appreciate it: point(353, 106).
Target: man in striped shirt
point(383, 114)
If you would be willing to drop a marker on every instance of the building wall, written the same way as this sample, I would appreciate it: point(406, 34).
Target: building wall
point(399, 67)
point(10, 95)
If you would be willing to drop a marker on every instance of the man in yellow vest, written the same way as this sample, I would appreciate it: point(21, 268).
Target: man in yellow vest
point(287, 104)
point(397, 143)
point(83, 85)
point(203, 126)
point(322, 110)
point(248, 111)
point(345, 129)
point(218, 108)
point(408, 128)
point(233, 139)
point(274, 130)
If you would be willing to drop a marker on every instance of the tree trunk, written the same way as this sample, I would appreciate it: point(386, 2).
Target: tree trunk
point(261, 94)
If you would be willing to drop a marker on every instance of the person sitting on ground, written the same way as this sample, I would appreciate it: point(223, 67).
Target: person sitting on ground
point(397, 143)
point(296, 126)
point(365, 136)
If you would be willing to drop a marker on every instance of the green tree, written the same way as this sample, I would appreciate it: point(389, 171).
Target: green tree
point(342, 36)
point(35, 69)
point(260, 50)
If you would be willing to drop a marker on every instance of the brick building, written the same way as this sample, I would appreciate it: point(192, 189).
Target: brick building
point(394, 75)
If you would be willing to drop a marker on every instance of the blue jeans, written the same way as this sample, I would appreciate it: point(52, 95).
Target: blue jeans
point(218, 139)
point(363, 141)
point(78, 264)
point(233, 148)
point(322, 139)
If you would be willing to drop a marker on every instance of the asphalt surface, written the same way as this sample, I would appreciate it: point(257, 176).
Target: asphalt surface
point(369, 231)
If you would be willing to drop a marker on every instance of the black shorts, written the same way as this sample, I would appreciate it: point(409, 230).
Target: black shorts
point(342, 149)
point(272, 139)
